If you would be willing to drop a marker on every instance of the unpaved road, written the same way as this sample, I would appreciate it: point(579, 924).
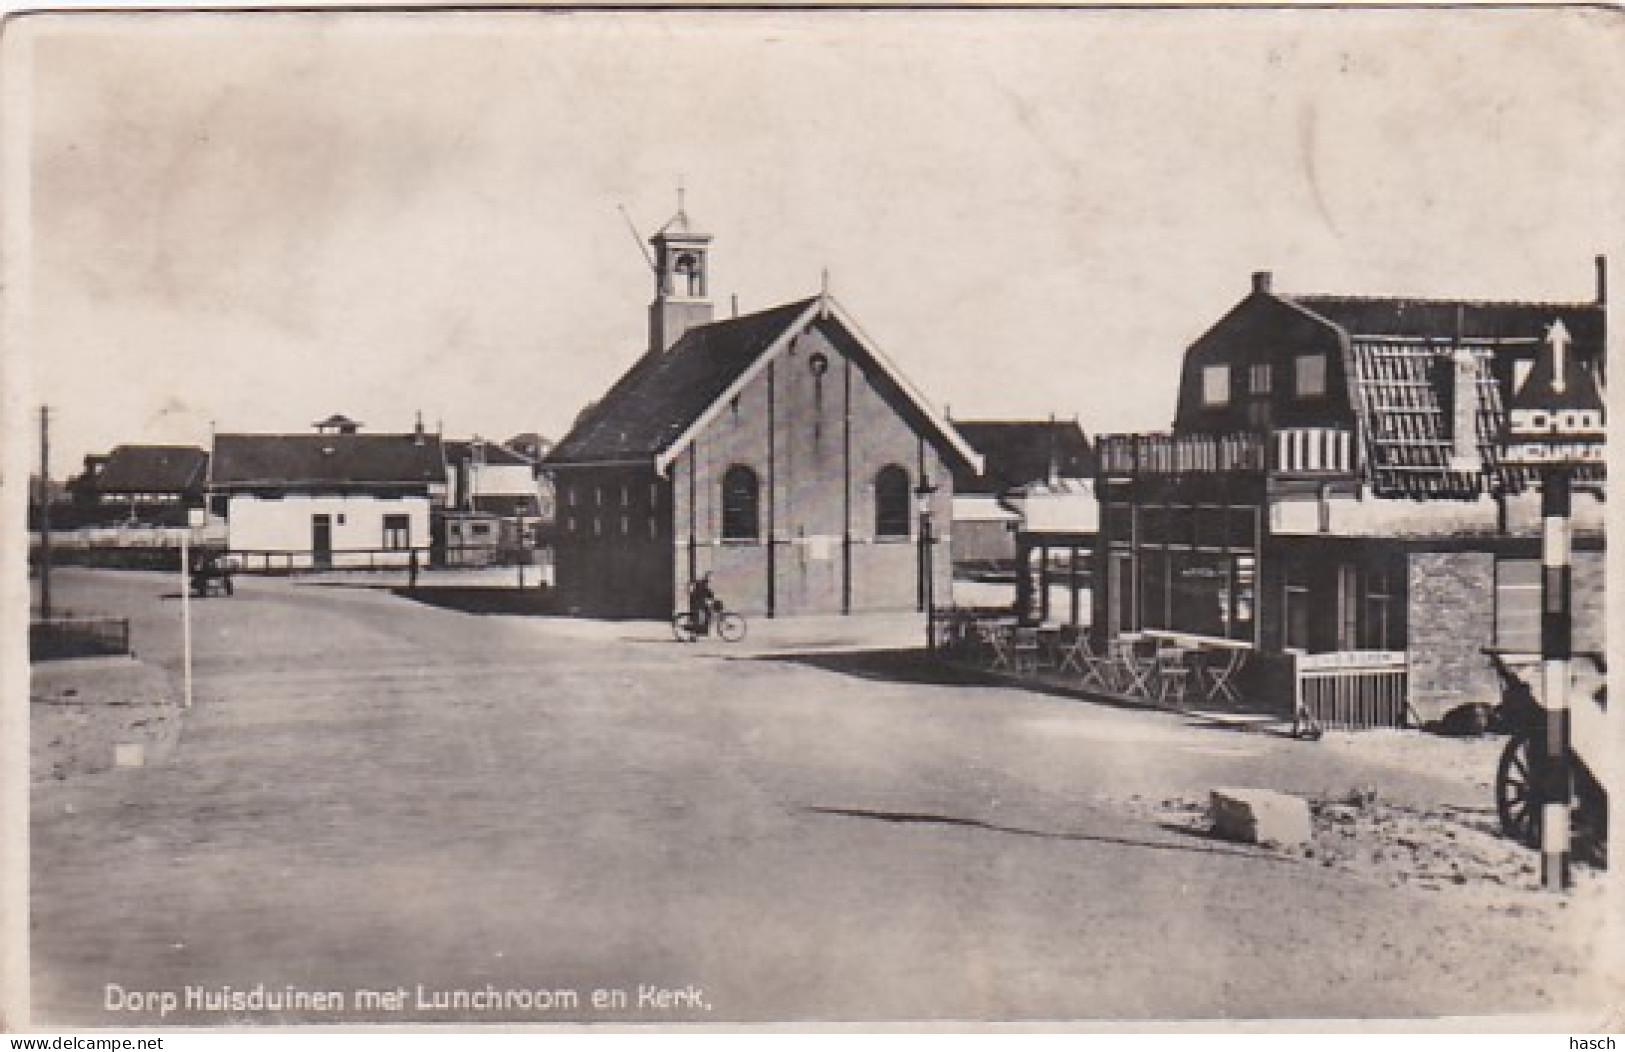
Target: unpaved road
point(376, 794)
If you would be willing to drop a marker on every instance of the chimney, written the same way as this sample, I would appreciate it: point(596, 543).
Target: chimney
point(417, 430)
point(1602, 281)
point(1464, 451)
point(1262, 280)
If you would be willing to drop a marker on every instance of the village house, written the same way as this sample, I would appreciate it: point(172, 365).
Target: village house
point(1332, 485)
point(147, 484)
point(495, 508)
point(337, 498)
point(780, 452)
point(133, 507)
point(1030, 516)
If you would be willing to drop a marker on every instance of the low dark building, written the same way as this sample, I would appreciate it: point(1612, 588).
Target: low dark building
point(146, 484)
point(1030, 515)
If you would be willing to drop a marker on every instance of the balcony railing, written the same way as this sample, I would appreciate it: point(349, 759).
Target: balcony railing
point(1286, 451)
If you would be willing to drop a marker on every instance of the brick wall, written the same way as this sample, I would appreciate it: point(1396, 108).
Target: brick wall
point(1452, 619)
point(818, 481)
point(1452, 610)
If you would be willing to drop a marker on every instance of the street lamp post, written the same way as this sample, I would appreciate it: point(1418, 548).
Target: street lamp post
point(927, 576)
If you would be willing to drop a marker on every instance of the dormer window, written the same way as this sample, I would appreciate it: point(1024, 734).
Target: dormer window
point(1311, 375)
point(1215, 385)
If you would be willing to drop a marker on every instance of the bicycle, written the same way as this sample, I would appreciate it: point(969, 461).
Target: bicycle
point(729, 626)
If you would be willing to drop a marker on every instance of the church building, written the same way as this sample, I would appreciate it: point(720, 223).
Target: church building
point(780, 452)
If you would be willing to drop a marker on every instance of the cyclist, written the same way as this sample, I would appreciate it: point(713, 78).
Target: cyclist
point(702, 603)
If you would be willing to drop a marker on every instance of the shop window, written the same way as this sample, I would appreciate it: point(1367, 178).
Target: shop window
point(1296, 608)
point(892, 502)
point(741, 504)
point(1517, 605)
point(1118, 523)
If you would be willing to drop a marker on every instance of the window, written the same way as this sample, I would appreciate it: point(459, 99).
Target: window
point(1215, 385)
point(397, 532)
point(1311, 375)
point(691, 282)
point(1382, 629)
point(741, 505)
point(1258, 378)
point(1517, 605)
point(480, 529)
point(891, 502)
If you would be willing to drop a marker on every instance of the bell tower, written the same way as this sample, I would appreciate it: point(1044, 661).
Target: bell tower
point(682, 295)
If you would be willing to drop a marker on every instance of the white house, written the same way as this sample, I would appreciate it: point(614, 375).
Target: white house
point(337, 498)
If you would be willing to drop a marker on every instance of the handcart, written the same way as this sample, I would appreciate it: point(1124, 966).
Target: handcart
point(1520, 775)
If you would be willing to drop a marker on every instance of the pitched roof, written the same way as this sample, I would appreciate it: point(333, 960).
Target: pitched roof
point(664, 398)
point(459, 450)
point(530, 444)
point(1402, 383)
point(1447, 319)
point(1019, 452)
point(153, 469)
point(508, 505)
point(662, 394)
point(338, 459)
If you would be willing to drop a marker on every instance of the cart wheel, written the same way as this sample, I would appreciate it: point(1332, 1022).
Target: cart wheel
point(1590, 835)
point(731, 627)
point(682, 627)
point(1515, 793)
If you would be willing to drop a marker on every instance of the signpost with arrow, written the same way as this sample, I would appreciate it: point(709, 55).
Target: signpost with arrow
point(1555, 424)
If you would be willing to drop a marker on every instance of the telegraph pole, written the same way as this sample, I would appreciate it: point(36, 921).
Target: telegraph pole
point(45, 513)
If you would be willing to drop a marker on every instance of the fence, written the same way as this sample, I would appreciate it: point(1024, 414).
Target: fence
point(1351, 690)
point(69, 637)
point(1297, 450)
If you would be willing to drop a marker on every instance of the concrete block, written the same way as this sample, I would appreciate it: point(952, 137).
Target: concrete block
point(1260, 816)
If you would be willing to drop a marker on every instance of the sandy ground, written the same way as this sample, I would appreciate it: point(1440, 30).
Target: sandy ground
point(376, 794)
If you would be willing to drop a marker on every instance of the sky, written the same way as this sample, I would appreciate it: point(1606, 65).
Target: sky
point(251, 222)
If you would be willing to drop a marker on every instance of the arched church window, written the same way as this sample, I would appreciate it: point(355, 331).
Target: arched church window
point(741, 504)
point(891, 502)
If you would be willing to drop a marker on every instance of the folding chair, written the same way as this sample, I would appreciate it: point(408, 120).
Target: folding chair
point(1220, 674)
point(1025, 647)
point(1094, 670)
point(997, 644)
point(1172, 673)
point(1133, 674)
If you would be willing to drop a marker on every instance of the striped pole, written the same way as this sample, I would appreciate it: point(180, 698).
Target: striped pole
point(1556, 647)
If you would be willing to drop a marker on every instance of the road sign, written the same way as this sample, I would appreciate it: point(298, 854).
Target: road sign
point(1556, 419)
point(1555, 422)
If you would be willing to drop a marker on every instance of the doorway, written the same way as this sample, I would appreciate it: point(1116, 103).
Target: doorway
point(321, 542)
